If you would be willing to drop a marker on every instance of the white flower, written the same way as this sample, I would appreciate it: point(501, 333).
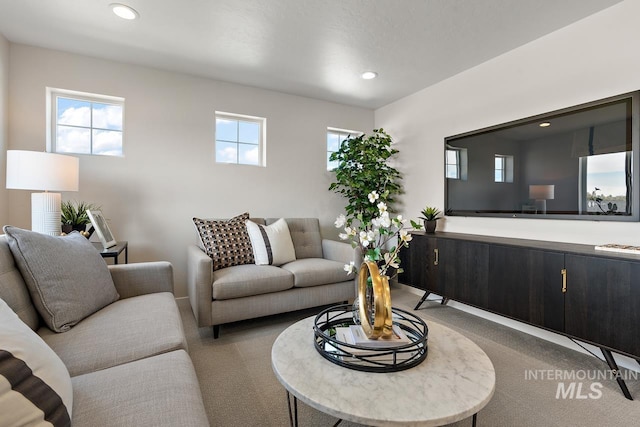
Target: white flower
point(343, 236)
point(364, 239)
point(405, 236)
point(373, 196)
point(385, 221)
point(382, 207)
point(340, 221)
point(375, 222)
point(350, 268)
point(393, 263)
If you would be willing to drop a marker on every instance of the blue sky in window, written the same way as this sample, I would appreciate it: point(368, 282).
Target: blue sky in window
point(605, 172)
point(107, 118)
point(237, 142)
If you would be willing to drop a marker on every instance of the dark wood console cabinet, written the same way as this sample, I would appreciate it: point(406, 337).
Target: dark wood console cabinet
point(572, 289)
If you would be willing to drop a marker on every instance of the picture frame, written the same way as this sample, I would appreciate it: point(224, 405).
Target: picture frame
point(102, 229)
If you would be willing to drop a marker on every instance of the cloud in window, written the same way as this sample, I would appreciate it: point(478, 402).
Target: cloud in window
point(107, 142)
point(76, 116)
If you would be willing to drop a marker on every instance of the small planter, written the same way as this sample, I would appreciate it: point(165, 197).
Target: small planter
point(430, 226)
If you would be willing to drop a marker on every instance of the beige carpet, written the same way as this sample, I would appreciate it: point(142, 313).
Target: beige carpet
point(240, 389)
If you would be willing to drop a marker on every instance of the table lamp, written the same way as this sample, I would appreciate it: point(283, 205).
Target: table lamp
point(34, 170)
point(541, 193)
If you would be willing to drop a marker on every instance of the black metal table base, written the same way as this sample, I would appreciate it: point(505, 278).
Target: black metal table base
point(424, 298)
point(616, 371)
point(293, 416)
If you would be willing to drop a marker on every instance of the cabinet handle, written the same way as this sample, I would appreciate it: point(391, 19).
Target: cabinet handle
point(564, 280)
point(436, 257)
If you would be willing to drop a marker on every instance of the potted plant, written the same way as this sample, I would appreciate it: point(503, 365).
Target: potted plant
point(430, 216)
point(74, 216)
point(363, 169)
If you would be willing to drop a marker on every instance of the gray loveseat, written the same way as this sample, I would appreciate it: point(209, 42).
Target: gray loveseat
point(317, 277)
point(128, 362)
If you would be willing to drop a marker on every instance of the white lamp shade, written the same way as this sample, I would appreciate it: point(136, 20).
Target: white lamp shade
point(541, 192)
point(35, 170)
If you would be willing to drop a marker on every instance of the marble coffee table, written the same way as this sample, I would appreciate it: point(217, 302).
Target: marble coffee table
point(456, 380)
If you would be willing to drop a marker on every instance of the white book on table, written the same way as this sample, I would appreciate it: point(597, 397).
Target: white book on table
point(345, 335)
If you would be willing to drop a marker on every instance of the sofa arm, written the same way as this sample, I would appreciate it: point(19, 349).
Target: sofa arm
point(199, 284)
point(338, 251)
point(142, 278)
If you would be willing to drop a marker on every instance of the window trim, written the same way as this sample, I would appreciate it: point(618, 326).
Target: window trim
point(262, 135)
point(507, 169)
point(52, 116)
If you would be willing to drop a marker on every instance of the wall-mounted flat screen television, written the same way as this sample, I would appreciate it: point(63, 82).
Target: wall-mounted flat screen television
point(576, 163)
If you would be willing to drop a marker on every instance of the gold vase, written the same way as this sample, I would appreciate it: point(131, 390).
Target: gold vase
point(375, 313)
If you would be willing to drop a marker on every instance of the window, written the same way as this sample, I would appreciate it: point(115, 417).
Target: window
point(606, 185)
point(85, 123)
point(453, 164)
point(335, 137)
point(240, 139)
point(503, 168)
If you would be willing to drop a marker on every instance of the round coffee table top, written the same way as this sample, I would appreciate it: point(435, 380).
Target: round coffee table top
point(456, 380)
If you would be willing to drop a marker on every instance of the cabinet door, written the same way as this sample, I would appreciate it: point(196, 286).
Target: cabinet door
point(415, 260)
point(526, 284)
point(603, 302)
point(463, 271)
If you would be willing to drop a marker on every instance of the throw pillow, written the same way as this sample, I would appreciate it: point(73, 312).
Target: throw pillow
point(226, 242)
point(35, 387)
point(67, 278)
point(272, 244)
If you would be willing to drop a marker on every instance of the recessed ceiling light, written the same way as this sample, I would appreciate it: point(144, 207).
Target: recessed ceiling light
point(544, 124)
point(368, 75)
point(124, 11)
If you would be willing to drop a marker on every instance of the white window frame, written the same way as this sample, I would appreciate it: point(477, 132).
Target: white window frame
point(461, 166)
point(456, 164)
point(52, 95)
point(338, 131)
point(262, 139)
point(507, 168)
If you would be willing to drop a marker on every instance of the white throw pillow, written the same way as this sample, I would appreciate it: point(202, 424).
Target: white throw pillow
point(35, 387)
point(272, 244)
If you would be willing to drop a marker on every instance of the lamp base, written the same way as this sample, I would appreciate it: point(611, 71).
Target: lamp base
point(541, 206)
point(45, 213)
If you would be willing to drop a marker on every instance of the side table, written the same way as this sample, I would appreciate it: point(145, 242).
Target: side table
point(114, 251)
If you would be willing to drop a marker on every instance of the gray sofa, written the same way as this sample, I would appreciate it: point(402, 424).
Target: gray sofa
point(128, 362)
point(317, 277)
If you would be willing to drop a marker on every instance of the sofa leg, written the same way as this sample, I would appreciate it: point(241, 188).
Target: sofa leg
point(216, 331)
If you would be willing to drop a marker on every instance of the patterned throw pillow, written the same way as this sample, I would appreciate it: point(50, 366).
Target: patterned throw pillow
point(226, 242)
point(35, 387)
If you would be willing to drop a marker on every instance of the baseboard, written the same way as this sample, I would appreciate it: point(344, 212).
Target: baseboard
point(622, 361)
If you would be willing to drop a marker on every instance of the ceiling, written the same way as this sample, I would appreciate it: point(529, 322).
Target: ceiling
point(314, 48)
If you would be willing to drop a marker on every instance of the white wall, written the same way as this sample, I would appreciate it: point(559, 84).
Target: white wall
point(589, 60)
point(4, 127)
point(168, 174)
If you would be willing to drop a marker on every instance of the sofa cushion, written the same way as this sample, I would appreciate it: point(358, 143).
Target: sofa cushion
point(13, 290)
point(248, 280)
point(317, 271)
point(35, 387)
point(272, 244)
point(129, 329)
point(305, 233)
point(157, 391)
point(66, 276)
point(226, 242)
